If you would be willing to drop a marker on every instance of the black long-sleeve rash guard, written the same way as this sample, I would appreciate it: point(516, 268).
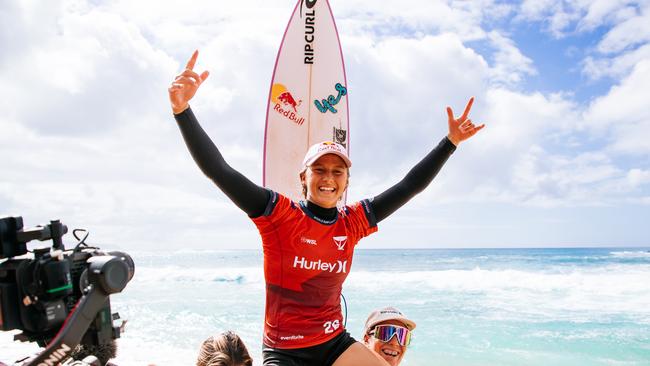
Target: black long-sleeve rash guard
point(253, 199)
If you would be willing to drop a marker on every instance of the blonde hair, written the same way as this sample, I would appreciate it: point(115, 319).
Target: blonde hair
point(226, 349)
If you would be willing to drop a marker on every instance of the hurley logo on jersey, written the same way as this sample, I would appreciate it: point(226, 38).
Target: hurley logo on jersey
point(319, 265)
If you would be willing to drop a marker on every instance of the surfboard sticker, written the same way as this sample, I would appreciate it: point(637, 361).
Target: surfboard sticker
point(308, 98)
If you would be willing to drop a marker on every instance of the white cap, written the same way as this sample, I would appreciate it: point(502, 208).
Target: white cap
point(387, 313)
point(323, 148)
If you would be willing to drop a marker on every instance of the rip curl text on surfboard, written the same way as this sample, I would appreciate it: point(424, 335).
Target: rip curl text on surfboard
point(310, 25)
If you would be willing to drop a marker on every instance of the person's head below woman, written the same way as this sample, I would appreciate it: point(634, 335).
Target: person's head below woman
point(388, 333)
point(225, 349)
point(326, 174)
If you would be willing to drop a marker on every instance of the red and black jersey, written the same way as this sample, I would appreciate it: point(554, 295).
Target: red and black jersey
point(303, 265)
point(306, 260)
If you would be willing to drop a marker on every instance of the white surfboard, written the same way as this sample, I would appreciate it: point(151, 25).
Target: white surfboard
point(308, 100)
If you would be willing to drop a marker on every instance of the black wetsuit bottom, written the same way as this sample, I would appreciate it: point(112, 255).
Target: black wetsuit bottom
point(319, 355)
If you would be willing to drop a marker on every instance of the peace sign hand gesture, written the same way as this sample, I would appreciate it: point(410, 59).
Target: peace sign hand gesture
point(185, 85)
point(462, 128)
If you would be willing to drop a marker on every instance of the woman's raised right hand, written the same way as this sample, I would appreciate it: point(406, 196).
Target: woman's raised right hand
point(185, 85)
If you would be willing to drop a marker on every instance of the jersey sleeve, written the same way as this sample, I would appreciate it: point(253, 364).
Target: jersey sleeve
point(278, 210)
point(360, 219)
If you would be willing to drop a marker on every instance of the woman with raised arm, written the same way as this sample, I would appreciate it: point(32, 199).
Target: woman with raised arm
point(308, 245)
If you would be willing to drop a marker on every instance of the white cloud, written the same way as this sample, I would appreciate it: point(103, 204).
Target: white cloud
point(528, 154)
point(517, 119)
point(86, 71)
point(637, 177)
point(616, 67)
point(548, 180)
point(564, 17)
point(627, 25)
point(384, 19)
point(622, 115)
point(623, 46)
point(558, 14)
point(599, 12)
point(510, 159)
point(510, 65)
point(627, 33)
point(130, 214)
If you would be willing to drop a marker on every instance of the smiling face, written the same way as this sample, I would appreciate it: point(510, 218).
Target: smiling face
point(326, 180)
point(392, 351)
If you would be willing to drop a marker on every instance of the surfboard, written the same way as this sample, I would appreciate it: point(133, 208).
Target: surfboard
point(308, 98)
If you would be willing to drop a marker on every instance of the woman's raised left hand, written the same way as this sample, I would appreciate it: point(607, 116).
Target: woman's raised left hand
point(462, 128)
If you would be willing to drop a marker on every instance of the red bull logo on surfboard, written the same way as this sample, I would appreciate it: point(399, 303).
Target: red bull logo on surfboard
point(285, 103)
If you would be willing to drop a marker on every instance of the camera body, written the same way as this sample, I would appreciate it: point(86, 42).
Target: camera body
point(39, 292)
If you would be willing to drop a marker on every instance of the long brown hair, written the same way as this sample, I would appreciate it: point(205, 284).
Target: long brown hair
point(226, 349)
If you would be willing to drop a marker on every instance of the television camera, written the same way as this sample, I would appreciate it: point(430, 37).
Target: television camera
point(58, 298)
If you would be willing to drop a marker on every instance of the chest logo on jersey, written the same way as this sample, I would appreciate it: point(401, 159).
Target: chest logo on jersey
point(340, 241)
point(305, 240)
point(319, 265)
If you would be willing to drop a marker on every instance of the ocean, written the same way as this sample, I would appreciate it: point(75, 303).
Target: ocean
point(472, 306)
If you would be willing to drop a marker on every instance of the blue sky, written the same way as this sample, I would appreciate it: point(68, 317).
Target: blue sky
point(558, 60)
point(562, 86)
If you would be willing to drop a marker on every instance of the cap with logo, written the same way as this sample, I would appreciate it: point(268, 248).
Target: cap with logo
point(324, 148)
point(387, 313)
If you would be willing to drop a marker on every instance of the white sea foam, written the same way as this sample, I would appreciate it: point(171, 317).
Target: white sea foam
point(575, 292)
point(581, 294)
point(632, 254)
point(607, 279)
point(242, 275)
